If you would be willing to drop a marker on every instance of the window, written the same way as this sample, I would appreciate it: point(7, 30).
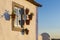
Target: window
point(19, 22)
point(17, 16)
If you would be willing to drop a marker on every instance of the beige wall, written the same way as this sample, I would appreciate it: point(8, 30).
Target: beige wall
point(6, 32)
point(39, 37)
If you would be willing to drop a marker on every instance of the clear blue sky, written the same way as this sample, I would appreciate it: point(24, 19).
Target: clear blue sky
point(49, 17)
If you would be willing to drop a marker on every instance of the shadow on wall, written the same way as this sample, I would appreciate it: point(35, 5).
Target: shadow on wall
point(45, 36)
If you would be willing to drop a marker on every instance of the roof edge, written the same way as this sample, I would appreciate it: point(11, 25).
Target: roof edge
point(35, 3)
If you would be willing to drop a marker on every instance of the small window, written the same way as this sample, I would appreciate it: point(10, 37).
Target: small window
point(17, 14)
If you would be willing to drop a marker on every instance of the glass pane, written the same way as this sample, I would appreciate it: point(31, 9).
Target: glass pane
point(18, 17)
point(19, 22)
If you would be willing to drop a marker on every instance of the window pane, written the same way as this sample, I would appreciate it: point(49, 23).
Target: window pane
point(18, 16)
point(19, 22)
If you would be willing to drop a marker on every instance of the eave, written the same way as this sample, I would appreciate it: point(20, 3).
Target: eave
point(35, 3)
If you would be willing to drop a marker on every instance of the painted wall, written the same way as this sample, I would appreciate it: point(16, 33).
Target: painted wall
point(6, 32)
point(39, 37)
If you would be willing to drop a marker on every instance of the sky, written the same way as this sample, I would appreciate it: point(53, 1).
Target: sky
point(49, 17)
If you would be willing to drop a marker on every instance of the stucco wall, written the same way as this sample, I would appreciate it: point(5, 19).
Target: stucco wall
point(6, 32)
point(39, 37)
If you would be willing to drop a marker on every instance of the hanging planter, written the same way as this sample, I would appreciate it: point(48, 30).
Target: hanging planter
point(26, 31)
point(27, 11)
point(22, 31)
point(27, 22)
point(13, 16)
point(30, 16)
point(7, 15)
